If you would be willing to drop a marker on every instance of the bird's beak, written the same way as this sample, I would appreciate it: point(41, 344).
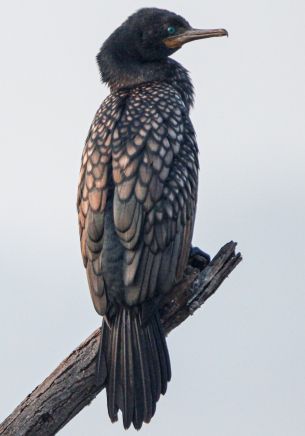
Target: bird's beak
point(191, 35)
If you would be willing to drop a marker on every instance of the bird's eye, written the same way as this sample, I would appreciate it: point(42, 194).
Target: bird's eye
point(171, 30)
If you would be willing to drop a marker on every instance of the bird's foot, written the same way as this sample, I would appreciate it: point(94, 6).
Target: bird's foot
point(198, 258)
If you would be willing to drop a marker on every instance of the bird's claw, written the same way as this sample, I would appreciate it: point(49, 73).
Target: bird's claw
point(198, 258)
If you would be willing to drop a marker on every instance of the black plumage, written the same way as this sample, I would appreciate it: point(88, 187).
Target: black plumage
point(136, 203)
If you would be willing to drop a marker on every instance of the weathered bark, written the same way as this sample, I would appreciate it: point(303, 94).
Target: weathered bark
point(71, 386)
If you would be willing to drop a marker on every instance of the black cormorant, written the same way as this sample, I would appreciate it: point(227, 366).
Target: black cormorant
point(137, 201)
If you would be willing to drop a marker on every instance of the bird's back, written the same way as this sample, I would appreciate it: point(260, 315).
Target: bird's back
point(137, 195)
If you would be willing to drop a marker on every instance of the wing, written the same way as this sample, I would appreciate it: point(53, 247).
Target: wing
point(155, 170)
point(92, 194)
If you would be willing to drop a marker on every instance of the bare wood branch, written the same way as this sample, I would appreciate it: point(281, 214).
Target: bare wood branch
point(71, 386)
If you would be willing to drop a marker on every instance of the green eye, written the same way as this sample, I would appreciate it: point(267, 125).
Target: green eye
point(171, 30)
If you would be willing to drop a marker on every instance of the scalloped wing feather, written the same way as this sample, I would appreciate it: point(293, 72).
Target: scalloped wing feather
point(93, 190)
point(155, 169)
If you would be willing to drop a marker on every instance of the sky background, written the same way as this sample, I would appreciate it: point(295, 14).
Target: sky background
point(238, 364)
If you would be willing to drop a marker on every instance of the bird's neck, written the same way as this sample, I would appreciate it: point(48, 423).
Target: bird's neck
point(120, 74)
point(181, 81)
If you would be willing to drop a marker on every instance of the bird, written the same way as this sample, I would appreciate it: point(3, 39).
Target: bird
point(136, 203)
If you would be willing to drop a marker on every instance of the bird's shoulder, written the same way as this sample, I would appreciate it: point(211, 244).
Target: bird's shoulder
point(161, 96)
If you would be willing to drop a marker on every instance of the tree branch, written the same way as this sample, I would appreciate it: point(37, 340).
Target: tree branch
point(71, 386)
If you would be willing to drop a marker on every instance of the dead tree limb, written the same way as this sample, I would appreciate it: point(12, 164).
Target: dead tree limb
point(71, 386)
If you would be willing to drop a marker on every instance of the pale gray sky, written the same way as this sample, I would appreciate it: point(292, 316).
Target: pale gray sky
point(238, 364)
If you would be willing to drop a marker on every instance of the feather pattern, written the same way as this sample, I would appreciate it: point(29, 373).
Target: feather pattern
point(157, 198)
point(93, 189)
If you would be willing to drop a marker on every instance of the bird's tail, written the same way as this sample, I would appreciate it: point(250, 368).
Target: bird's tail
point(134, 359)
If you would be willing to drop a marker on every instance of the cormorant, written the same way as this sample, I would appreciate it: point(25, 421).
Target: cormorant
point(136, 203)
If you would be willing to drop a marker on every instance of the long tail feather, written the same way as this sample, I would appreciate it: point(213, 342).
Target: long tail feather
point(114, 358)
point(134, 356)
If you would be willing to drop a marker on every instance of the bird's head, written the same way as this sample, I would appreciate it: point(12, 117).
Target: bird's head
point(145, 39)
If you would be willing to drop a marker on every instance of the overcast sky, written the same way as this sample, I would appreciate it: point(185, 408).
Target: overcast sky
point(238, 364)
